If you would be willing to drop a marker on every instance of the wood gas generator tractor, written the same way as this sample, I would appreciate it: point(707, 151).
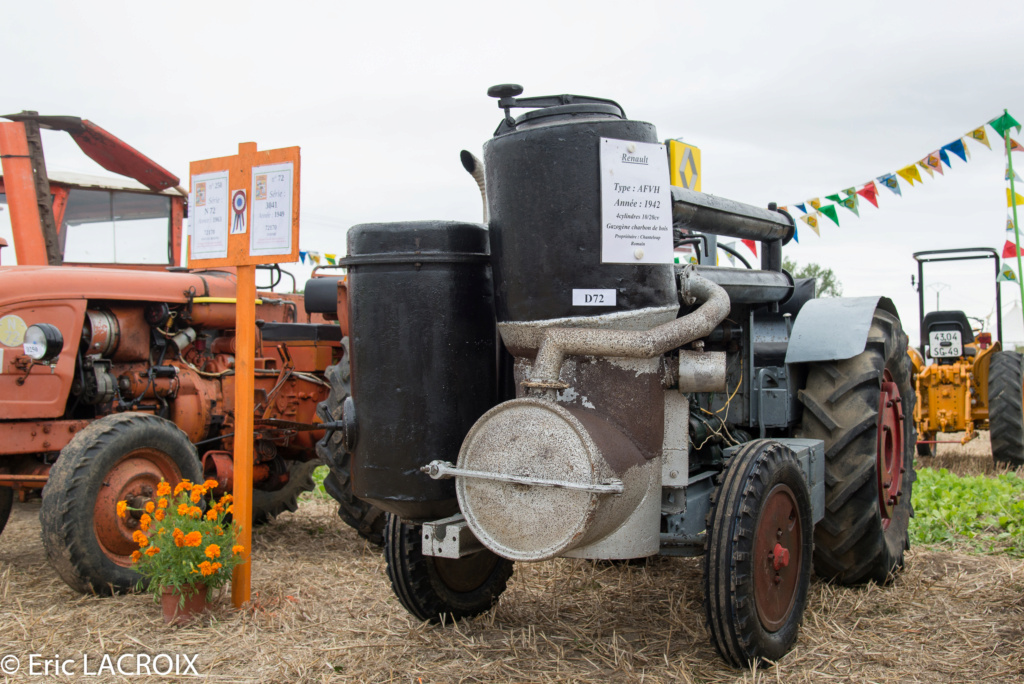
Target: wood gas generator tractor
point(551, 385)
point(117, 365)
point(972, 383)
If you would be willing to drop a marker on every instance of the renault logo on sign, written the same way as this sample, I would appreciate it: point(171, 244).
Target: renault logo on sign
point(684, 165)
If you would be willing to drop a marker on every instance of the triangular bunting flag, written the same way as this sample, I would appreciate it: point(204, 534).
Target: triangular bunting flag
point(1003, 123)
point(981, 136)
point(944, 157)
point(889, 181)
point(1015, 146)
point(958, 148)
point(1016, 198)
point(302, 256)
point(796, 235)
point(851, 204)
point(910, 174)
point(924, 165)
point(934, 161)
point(802, 207)
point(834, 197)
point(812, 221)
point(314, 257)
point(850, 191)
point(830, 211)
point(1009, 248)
point(870, 193)
point(750, 244)
point(1006, 176)
point(331, 258)
point(816, 202)
point(1006, 274)
point(729, 256)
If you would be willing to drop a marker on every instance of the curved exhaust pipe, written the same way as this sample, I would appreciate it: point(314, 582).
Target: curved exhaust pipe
point(476, 169)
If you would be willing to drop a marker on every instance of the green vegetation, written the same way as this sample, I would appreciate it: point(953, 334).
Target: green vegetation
point(318, 477)
point(983, 513)
point(826, 285)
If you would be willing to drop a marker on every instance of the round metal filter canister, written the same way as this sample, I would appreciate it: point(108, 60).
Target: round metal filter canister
point(542, 440)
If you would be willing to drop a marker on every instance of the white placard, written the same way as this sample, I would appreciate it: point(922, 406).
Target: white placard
point(945, 344)
point(271, 224)
point(636, 203)
point(208, 216)
point(34, 349)
point(593, 297)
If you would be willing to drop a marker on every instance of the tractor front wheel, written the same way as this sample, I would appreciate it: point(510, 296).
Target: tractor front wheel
point(862, 408)
point(1006, 407)
point(121, 457)
point(441, 589)
point(758, 562)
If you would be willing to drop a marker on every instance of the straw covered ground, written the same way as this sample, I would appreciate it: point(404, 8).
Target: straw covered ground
point(324, 612)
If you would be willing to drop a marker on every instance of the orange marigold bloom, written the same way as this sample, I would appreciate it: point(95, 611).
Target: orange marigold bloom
point(217, 566)
point(194, 538)
point(140, 538)
point(212, 551)
point(162, 503)
point(211, 484)
point(195, 512)
point(183, 509)
point(163, 489)
point(211, 514)
point(237, 549)
point(206, 567)
point(122, 509)
point(229, 509)
point(197, 494)
point(144, 522)
point(179, 537)
point(226, 499)
point(159, 514)
point(150, 506)
point(136, 556)
point(182, 486)
point(152, 551)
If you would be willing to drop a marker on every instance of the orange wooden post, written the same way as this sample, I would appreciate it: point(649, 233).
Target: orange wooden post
point(26, 226)
point(250, 177)
point(245, 354)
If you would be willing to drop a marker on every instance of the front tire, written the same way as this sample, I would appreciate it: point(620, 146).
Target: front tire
point(441, 589)
point(1006, 407)
point(862, 408)
point(116, 458)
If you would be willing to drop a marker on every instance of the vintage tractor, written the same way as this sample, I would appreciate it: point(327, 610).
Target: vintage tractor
point(114, 376)
point(519, 395)
point(971, 383)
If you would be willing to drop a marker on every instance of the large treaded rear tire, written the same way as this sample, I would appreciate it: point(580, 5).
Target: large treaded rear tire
point(852, 544)
point(367, 520)
point(129, 452)
point(267, 505)
point(1006, 407)
point(441, 589)
point(753, 608)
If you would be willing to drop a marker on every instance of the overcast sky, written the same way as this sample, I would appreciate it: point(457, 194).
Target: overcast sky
point(786, 101)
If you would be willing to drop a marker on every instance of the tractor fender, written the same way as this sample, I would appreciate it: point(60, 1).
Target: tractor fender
point(833, 328)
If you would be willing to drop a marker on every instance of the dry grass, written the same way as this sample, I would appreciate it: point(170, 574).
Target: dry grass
point(324, 612)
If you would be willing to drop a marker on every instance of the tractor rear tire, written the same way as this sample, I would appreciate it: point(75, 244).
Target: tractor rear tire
point(757, 565)
point(1006, 407)
point(367, 520)
point(441, 589)
point(860, 539)
point(115, 458)
point(6, 502)
point(267, 505)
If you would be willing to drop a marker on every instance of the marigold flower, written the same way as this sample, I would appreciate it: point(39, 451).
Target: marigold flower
point(206, 567)
point(237, 549)
point(229, 509)
point(212, 551)
point(150, 506)
point(162, 503)
point(179, 537)
point(122, 509)
point(211, 514)
point(182, 486)
point(163, 489)
point(226, 499)
point(217, 566)
point(183, 509)
point(140, 538)
point(159, 515)
point(136, 556)
point(211, 484)
point(144, 522)
point(194, 538)
point(196, 495)
point(196, 512)
point(152, 551)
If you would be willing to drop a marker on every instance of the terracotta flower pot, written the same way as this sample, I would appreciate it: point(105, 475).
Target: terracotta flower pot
point(177, 614)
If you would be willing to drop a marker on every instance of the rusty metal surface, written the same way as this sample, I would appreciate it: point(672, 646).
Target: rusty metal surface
point(778, 545)
point(523, 338)
point(701, 371)
point(32, 437)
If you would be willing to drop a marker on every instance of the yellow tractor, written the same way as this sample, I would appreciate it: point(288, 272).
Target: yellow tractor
point(970, 384)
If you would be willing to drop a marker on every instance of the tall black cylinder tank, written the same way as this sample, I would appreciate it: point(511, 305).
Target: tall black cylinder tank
point(544, 202)
point(422, 338)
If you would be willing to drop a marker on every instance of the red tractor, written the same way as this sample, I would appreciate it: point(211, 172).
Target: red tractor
point(117, 364)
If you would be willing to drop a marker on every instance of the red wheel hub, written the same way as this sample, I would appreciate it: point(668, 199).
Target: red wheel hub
point(777, 557)
point(889, 459)
point(133, 479)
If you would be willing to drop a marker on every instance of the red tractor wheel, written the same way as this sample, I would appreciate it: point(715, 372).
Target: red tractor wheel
point(862, 408)
point(121, 457)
